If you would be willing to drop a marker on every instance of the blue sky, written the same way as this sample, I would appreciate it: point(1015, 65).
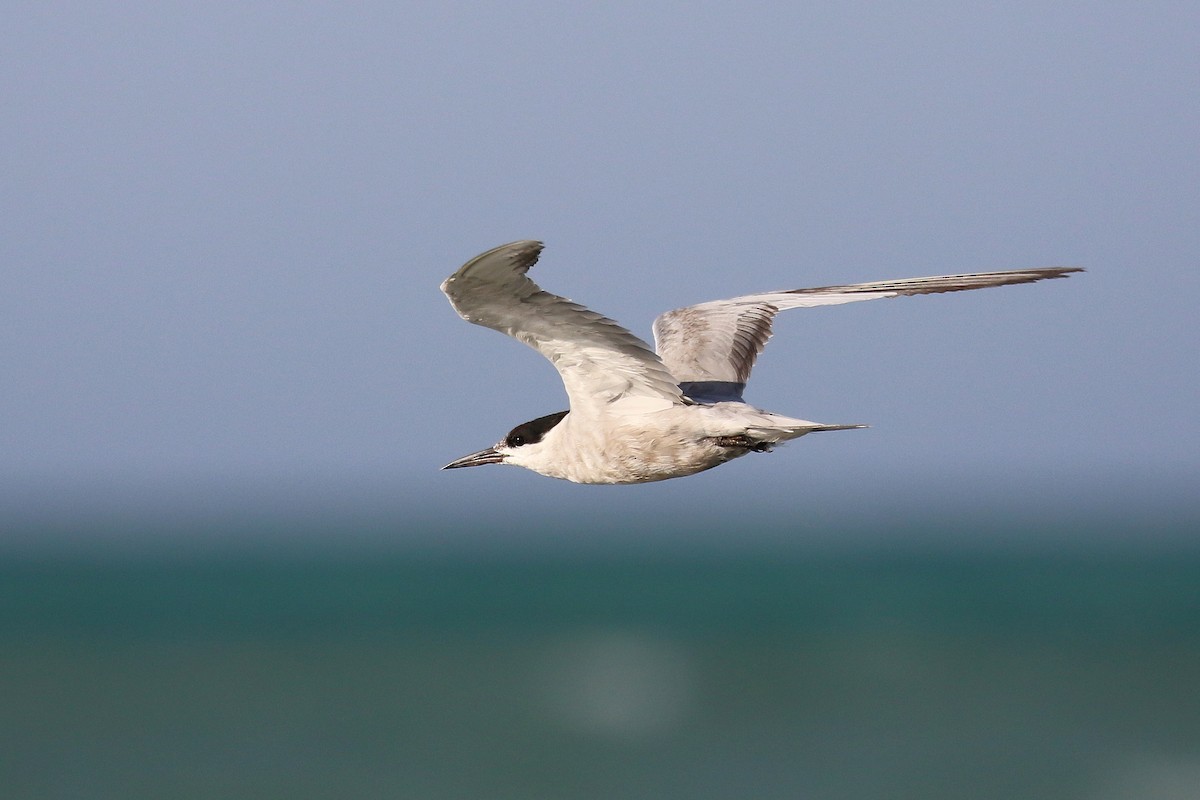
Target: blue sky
point(223, 228)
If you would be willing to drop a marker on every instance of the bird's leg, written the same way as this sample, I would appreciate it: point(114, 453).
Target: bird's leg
point(742, 440)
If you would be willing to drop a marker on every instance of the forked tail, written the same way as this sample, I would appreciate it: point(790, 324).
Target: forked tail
point(836, 428)
point(783, 434)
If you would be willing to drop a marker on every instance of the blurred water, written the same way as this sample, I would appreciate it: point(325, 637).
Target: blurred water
point(919, 673)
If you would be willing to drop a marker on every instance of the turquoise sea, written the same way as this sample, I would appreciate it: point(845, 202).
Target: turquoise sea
point(915, 672)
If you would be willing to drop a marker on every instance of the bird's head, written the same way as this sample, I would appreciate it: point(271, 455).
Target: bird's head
point(521, 447)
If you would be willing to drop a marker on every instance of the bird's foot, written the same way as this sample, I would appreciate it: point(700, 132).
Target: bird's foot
point(743, 441)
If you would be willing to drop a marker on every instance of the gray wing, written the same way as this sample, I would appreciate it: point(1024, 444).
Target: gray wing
point(711, 348)
point(603, 366)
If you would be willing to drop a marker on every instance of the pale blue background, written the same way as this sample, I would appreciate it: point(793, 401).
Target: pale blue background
point(223, 226)
point(222, 229)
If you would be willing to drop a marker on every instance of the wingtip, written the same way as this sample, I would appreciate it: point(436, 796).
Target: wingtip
point(521, 254)
point(523, 248)
point(512, 258)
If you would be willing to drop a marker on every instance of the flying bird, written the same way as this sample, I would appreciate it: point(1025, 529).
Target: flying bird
point(639, 414)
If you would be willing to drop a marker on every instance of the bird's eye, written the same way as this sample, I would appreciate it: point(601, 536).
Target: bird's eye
point(530, 433)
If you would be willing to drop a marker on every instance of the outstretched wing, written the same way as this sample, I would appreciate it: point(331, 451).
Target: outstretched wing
point(603, 366)
point(710, 348)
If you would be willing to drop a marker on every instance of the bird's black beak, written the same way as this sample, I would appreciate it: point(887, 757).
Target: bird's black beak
point(487, 456)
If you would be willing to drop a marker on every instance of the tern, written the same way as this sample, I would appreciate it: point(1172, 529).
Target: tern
point(639, 414)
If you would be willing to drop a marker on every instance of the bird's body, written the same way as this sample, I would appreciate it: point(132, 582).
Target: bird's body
point(637, 415)
point(671, 442)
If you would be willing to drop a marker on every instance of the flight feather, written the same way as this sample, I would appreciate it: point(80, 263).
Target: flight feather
point(600, 362)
